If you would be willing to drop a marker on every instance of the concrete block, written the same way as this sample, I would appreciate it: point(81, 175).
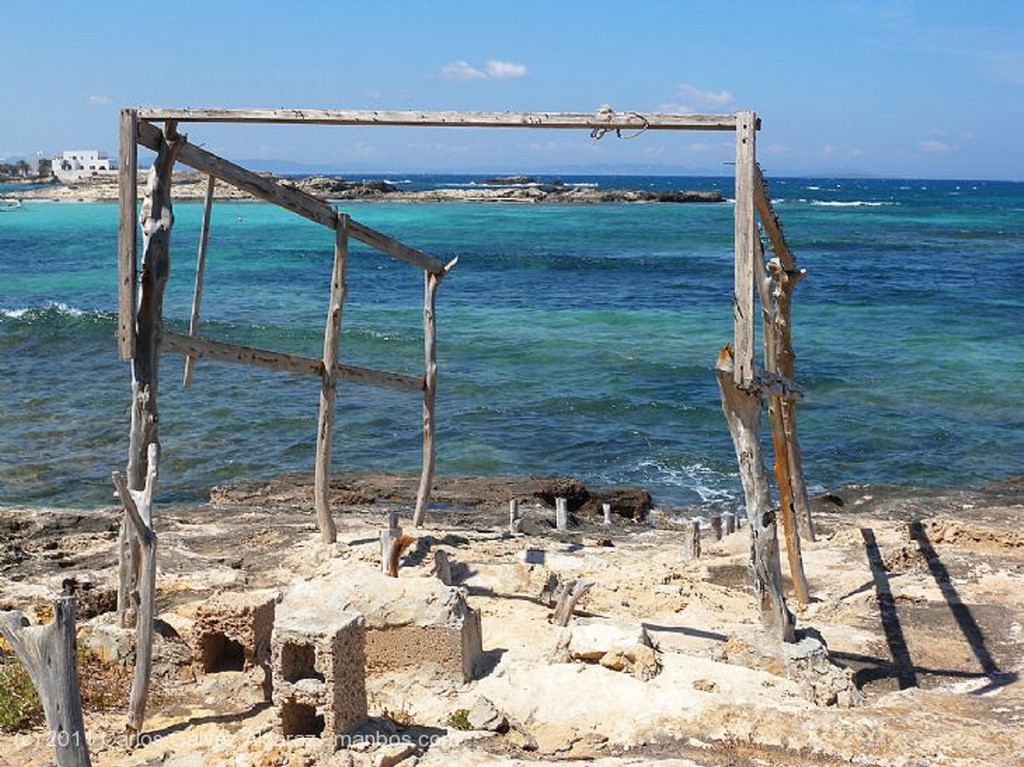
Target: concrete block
point(232, 632)
point(319, 672)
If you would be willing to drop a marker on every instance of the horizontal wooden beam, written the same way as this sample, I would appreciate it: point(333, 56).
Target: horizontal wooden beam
point(195, 346)
point(579, 120)
point(290, 198)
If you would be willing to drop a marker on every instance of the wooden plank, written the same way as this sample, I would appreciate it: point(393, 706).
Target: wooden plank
point(197, 293)
point(127, 233)
point(328, 385)
point(564, 120)
point(205, 348)
point(746, 234)
point(267, 189)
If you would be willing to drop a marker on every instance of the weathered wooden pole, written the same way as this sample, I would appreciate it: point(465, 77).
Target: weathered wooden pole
point(691, 540)
point(744, 249)
point(606, 509)
point(515, 522)
point(785, 275)
point(157, 221)
point(567, 594)
point(430, 283)
point(729, 521)
point(561, 514)
point(328, 385)
point(388, 537)
point(197, 293)
point(742, 408)
point(49, 655)
point(716, 527)
point(138, 508)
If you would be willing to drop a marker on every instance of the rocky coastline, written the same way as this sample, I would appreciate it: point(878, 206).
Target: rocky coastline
point(518, 188)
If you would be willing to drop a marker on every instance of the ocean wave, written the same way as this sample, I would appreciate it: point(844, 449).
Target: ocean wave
point(50, 309)
point(711, 486)
point(852, 203)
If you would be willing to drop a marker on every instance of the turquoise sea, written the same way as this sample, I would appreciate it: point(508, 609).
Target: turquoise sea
point(573, 339)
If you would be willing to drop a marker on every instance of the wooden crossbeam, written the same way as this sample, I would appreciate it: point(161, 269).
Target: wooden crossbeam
point(290, 198)
point(204, 348)
point(565, 120)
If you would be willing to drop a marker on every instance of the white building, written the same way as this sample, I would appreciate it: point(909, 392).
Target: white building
point(76, 164)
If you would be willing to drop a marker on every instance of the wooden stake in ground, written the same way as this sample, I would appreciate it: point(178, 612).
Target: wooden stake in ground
point(328, 386)
point(743, 413)
point(138, 508)
point(785, 275)
point(157, 220)
point(49, 655)
point(430, 283)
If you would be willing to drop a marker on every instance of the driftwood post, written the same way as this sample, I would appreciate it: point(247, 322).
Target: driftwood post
point(197, 293)
point(742, 409)
point(328, 385)
point(785, 276)
point(606, 509)
point(430, 283)
point(561, 514)
point(515, 522)
point(729, 521)
point(157, 220)
point(138, 508)
point(49, 655)
point(691, 540)
point(389, 536)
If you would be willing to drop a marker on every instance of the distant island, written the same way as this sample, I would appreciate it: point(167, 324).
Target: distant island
point(517, 188)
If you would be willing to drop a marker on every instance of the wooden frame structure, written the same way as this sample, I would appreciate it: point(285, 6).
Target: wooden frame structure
point(141, 337)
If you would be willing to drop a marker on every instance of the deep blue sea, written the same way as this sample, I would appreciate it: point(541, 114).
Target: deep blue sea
point(573, 339)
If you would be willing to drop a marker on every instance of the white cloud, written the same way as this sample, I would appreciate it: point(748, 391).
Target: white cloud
point(504, 70)
point(934, 147)
point(690, 99)
point(99, 101)
point(462, 70)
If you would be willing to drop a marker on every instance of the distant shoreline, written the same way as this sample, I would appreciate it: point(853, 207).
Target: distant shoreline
point(518, 189)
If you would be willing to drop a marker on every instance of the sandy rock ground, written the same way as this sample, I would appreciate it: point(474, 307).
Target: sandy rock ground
point(917, 594)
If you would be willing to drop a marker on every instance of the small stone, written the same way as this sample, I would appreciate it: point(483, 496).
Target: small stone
point(484, 715)
point(704, 685)
point(393, 753)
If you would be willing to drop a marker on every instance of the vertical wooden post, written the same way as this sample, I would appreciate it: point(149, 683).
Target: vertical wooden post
point(328, 385)
point(515, 523)
point(716, 526)
point(388, 538)
point(729, 521)
point(49, 655)
point(138, 509)
point(742, 410)
point(785, 275)
point(197, 293)
point(127, 235)
point(606, 509)
point(691, 541)
point(746, 235)
point(430, 284)
point(157, 221)
point(561, 514)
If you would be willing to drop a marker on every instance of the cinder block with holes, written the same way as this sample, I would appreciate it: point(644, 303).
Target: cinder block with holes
point(232, 633)
point(318, 661)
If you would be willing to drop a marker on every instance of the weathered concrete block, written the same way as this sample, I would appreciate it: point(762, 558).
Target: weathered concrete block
point(319, 671)
point(232, 632)
point(411, 623)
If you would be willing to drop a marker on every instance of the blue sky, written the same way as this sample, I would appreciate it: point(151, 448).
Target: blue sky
point(900, 89)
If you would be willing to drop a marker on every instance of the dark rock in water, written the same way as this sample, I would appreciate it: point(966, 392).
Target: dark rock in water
point(574, 492)
point(508, 180)
point(678, 195)
point(630, 502)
